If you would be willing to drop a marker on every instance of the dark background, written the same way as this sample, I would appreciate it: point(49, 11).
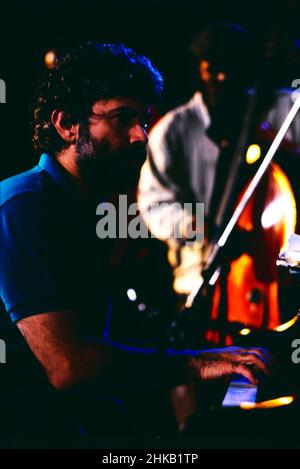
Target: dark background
point(160, 29)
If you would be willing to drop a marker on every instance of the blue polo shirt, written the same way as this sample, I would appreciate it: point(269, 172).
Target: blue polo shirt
point(51, 258)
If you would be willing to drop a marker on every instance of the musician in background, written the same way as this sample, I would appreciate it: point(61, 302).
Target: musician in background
point(184, 163)
point(184, 146)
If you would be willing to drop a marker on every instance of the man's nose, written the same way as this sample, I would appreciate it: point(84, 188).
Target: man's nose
point(138, 133)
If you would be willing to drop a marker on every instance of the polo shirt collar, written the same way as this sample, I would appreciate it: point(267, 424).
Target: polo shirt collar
point(59, 175)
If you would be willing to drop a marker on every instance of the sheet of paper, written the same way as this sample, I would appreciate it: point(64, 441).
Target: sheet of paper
point(290, 256)
point(239, 391)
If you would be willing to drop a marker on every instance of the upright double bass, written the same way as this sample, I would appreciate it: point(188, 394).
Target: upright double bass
point(252, 273)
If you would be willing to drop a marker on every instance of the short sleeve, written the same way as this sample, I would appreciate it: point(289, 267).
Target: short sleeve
point(33, 260)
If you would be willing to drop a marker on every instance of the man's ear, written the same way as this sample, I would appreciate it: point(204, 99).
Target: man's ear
point(66, 129)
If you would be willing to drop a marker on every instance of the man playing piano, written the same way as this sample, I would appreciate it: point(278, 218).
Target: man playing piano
point(90, 121)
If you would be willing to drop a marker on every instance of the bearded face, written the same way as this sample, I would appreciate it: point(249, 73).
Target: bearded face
point(108, 169)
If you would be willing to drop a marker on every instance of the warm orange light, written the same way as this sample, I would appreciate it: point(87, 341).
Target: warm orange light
point(288, 200)
point(245, 331)
point(50, 59)
point(253, 154)
point(221, 76)
point(280, 401)
point(204, 70)
point(287, 325)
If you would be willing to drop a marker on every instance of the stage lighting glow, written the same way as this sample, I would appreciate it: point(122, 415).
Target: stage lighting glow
point(50, 59)
point(265, 125)
point(280, 401)
point(287, 325)
point(221, 76)
point(245, 331)
point(273, 213)
point(131, 294)
point(253, 154)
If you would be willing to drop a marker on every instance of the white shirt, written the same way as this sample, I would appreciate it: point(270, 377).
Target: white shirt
point(180, 167)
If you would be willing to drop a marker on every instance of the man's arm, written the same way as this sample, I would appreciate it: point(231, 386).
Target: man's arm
point(66, 357)
point(69, 360)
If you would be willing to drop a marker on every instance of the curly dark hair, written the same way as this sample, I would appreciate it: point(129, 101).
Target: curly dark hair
point(87, 74)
